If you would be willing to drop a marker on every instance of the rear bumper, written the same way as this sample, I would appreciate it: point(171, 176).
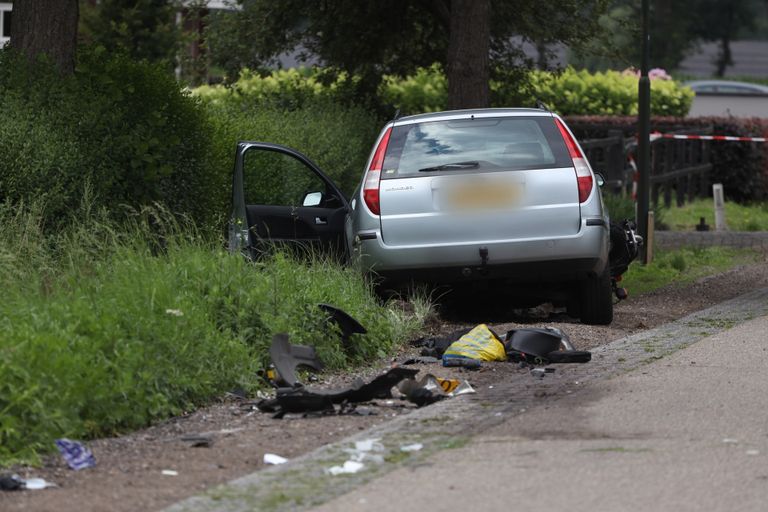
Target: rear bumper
point(526, 261)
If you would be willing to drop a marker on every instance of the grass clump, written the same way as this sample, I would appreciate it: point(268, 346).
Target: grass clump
point(107, 327)
point(683, 266)
point(738, 217)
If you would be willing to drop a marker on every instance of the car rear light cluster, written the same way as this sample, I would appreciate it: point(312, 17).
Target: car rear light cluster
point(373, 176)
point(583, 174)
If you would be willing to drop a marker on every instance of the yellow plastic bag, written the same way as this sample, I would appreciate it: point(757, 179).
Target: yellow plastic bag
point(480, 343)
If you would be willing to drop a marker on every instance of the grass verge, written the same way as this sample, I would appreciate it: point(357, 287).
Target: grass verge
point(107, 327)
point(683, 266)
point(738, 217)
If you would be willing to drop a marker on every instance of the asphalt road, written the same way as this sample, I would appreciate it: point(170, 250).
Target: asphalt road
point(686, 432)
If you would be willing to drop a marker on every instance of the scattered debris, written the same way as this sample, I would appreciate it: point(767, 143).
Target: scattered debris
point(462, 362)
point(198, 441)
point(481, 344)
point(76, 455)
point(287, 358)
point(271, 458)
point(424, 392)
point(540, 372)
point(435, 346)
point(448, 385)
point(349, 467)
point(169, 472)
point(174, 312)
point(300, 399)
point(347, 325)
point(542, 346)
point(415, 447)
point(11, 483)
point(37, 484)
point(420, 360)
point(463, 389)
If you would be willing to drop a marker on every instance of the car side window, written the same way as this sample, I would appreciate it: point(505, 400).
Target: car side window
point(278, 179)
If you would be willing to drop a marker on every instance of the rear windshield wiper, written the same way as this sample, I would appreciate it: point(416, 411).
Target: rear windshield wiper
point(451, 167)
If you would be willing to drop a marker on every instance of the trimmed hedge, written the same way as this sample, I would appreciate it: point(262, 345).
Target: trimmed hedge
point(570, 92)
point(742, 167)
point(122, 129)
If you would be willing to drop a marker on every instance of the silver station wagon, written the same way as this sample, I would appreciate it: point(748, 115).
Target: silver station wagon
point(491, 197)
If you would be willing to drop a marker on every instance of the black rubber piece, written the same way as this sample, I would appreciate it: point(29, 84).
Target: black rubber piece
point(570, 356)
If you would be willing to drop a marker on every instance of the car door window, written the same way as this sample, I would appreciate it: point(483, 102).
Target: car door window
point(278, 179)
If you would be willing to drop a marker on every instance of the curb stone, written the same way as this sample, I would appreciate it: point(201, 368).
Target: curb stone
point(303, 482)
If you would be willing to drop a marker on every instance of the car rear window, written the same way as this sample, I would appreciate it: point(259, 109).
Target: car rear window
point(471, 145)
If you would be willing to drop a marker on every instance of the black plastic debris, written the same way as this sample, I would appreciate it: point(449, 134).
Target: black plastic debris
point(301, 399)
point(10, 483)
point(420, 360)
point(198, 441)
point(462, 362)
point(542, 346)
point(347, 325)
point(435, 346)
point(424, 392)
point(287, 358)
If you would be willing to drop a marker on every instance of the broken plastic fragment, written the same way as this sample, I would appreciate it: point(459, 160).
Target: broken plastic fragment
point(463, 389)
point(730, 440)
point(35, 484)
point(753, 452)
point(169, 472)
point(271, 458)
point(174, 312)
point(349, 467)
point(411, 447)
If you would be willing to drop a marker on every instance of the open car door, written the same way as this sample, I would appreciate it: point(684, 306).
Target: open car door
point(281, 198)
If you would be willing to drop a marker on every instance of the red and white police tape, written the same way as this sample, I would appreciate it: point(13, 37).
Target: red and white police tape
point(657, 136)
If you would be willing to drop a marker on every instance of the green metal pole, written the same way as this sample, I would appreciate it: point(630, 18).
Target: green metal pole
point(643, 133)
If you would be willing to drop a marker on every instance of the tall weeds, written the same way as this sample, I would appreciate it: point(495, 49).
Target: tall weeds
point(108, 326)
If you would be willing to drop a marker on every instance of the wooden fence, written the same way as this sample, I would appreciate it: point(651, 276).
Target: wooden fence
point(679, 168)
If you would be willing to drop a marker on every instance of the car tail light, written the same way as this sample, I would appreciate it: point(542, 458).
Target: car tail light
point(583, 174)
point(373, 176)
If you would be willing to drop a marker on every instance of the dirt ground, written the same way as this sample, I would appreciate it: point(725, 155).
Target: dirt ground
point(129, 471)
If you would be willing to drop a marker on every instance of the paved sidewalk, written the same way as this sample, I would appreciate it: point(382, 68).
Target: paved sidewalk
point(686, 432)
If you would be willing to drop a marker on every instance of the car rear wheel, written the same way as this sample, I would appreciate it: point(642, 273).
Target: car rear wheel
point(596, 306)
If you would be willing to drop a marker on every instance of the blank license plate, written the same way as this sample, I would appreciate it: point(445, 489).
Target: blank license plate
point(483, 196)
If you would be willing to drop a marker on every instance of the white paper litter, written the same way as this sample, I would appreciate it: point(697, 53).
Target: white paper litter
point(169, 472)
point(367, 445)
point(271, 458)
point(463, 389)
point(35, 484)
point(349, 467)
point(753, 452)
point(174, 312)
point(729, 440)
point(411, 447)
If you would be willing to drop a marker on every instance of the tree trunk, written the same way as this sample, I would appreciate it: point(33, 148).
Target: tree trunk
point(46, 27)
point(468, 49)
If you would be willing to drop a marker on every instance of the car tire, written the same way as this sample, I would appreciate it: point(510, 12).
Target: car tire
point(597, 300)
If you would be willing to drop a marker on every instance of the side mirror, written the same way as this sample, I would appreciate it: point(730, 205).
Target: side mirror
point(312, 199)
point(600, 179)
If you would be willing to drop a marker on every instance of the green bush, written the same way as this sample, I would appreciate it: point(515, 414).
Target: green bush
point(569, 92)
point(337, 138)
point(107, 327)
point(123, 127)
point(424, 91)
point(283, 88)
